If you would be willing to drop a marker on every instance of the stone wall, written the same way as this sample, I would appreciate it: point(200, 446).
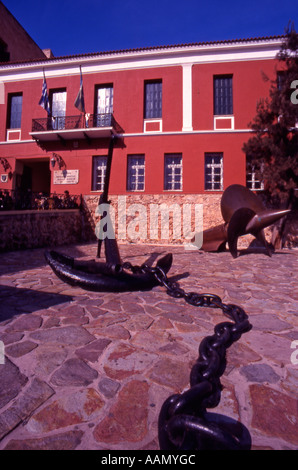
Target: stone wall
point(134, 216)
point(137, 218)
point(32, 229)
point(159, 218)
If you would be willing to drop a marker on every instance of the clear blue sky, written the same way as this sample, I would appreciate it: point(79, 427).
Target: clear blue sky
point(80, 26)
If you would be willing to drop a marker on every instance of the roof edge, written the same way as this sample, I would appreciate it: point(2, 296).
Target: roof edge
point(263, 39)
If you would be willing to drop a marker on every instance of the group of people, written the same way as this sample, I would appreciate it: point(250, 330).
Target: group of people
point(6, 201)
point(27, 200)
point(56, 202)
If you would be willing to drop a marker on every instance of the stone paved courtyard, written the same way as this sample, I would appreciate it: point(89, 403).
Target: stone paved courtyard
point(87, 370)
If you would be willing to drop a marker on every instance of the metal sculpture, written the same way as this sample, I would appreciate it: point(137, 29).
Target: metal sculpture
point(105, 276)
point(243, 213)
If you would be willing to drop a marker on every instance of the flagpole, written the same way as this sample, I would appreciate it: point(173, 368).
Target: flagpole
point(83, 112)
point(44, 99)
point(79, 101)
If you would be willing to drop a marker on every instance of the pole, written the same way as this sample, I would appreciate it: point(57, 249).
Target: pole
point(111, 247)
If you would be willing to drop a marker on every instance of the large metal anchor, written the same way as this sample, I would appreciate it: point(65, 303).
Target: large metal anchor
point(104, 276)
point(112, 275)
point(243, 213)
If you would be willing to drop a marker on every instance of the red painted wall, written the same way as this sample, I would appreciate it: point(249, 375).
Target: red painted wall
point(20, 45)
point(248, 88)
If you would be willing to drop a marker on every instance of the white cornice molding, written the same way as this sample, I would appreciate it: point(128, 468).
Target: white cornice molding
point(151, 134)
point(146, 58)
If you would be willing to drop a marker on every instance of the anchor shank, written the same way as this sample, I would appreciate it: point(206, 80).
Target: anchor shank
point(104, 196)
point(111, 247)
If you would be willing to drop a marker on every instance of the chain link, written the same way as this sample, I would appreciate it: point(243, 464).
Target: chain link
point(182, 422)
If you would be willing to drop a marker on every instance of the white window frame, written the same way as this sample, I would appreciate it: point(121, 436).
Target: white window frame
point(105, 99)
point(251, 180)
point(171, 174)
point(136, 173)
point(99, 172)
point(213, 175)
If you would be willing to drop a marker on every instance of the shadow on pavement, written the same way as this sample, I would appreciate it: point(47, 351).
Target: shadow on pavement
point(22, 260)
point(16, 301)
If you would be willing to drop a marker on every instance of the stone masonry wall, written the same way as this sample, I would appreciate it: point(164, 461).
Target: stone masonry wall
point(137, 218)
point(134, 218)
point(32, 229)
point(158, 218)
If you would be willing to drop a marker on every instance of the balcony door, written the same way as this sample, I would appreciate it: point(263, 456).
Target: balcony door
point(58, 109)
point(104, 106)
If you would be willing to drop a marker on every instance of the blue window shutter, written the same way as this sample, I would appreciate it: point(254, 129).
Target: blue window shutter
point(153, 100)
point(16, 111)
point(223, 95)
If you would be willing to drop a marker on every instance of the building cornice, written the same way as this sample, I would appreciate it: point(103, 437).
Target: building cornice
point(161, 56)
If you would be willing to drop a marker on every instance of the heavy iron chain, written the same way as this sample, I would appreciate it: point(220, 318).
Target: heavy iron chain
point(184, 423)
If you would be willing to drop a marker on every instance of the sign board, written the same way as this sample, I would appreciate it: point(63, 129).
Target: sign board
point(66, 177)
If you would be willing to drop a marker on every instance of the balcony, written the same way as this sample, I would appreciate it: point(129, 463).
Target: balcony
point(63, 128)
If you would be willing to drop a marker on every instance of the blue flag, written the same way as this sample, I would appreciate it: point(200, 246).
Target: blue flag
point(80, 102)
point(44, 101)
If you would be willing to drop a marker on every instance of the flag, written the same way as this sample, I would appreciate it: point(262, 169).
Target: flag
point(80, 102)
point(44, 99)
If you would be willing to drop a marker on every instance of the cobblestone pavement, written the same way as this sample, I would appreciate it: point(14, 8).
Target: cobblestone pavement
point(90, 370)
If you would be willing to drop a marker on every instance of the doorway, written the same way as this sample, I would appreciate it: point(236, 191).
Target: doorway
point(33, 175)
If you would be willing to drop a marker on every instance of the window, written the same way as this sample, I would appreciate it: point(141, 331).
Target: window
point(99, 173)
point(153, 100)
point(136, 173)
point(173, 172)
point(213, 171)
point(104, 105)
point(15, 111)
point(58, 108)
point(253, 180)
point(4, 54)
point(223, 95)
point(280, 80)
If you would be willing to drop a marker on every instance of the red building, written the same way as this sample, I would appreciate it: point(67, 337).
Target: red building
point(180, 115)
point(15, 42)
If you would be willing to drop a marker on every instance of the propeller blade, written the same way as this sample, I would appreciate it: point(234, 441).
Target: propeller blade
point(264, 219)
point(237, 227)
